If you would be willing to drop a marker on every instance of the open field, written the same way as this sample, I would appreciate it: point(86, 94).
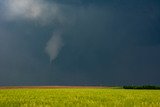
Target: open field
point(77, 97)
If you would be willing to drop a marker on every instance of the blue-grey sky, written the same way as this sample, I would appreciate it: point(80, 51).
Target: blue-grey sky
point(79, 42)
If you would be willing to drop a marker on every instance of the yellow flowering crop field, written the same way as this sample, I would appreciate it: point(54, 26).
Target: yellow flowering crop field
point(79, 97)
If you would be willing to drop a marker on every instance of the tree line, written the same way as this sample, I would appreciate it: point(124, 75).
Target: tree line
point(142, 87)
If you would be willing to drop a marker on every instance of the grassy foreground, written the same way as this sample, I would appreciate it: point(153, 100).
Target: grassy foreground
point(79, 98)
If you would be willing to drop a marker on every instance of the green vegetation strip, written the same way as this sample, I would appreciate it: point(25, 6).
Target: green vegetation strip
point(79, 98)
point(142, 87)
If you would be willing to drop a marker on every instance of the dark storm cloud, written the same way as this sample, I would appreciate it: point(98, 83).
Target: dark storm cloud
point(104, 42)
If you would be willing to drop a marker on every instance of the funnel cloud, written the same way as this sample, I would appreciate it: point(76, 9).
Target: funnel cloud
point(41, 11)
point(54, 45)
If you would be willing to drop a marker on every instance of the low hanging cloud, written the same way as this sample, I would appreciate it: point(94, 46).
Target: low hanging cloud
point(54, 45)
point(47, 12)
point(41, 11)
point(35, 10)
point(24, 8)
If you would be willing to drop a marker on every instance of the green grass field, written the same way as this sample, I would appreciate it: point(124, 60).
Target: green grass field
point(82, 97)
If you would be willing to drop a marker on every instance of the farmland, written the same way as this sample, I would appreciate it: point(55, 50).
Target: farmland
point(78, 97)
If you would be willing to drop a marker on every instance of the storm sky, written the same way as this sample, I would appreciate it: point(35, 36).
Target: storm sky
point(79, 42)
